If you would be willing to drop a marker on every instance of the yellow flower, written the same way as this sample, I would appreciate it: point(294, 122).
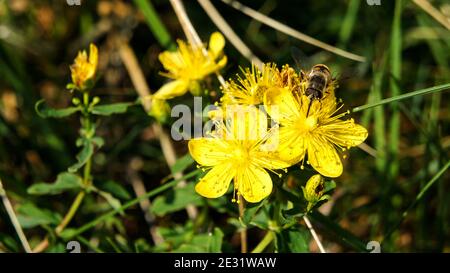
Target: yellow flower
point(236, 151)
point(320, 135)
point(188, 65)
point(84, 68)
point(251, 87)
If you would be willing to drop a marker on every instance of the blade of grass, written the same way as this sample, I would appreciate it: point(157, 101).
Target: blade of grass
point(421, 92)
point(348, 22)
point(154, 22)
point(395, 69)
point(379, 120)
point(131, 203)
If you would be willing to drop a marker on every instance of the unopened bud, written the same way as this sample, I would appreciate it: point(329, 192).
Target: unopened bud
point(160, 110)
point(314, 189)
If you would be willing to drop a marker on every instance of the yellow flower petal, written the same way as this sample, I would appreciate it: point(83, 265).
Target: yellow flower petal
point(93, 58)
point(216, 182)
point(281, 105)
point(209, 151)
point(345, 133)
point(323, 157)
point(289, 145)
point(172, 89)
point(216, 44)
point(254, 184)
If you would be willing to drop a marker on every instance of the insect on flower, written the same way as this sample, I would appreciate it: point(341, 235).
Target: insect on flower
point(319, 134)
point(236, 151)
point(189, 65)
point(84, 69)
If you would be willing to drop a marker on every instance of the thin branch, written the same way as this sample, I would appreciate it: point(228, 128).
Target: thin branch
point(13, 217)
point(291, 32)
point(314, 234)
point(433, 12)
point(137, 77)
point(225, 28)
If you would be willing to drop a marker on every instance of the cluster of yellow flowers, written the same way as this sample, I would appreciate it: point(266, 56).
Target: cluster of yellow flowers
point(246, 150)
point(241, 147)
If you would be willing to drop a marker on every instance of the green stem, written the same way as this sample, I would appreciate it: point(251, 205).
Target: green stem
point(71, 213)
point(421, 92)
point(87, 173)
point(268, 238)
point(86, 124)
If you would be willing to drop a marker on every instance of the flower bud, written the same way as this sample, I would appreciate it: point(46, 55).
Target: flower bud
point(76, 101)
point(160, 110)
point(314, 190)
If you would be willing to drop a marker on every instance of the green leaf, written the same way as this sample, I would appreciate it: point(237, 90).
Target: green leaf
point(211, 243)
point(31, 216)
point(46, 112)
point(9, 242)
point(176, 199)
point(109, 109)
point(182, 163)
point(64, 182)
point(116, 189)
point(83, 156)
point(261, 220)
point(215, 241)
point(293, 240)
point(189, 248)
point(250, 212)
point(68, 233)
point(329, 186)
point(113, 202)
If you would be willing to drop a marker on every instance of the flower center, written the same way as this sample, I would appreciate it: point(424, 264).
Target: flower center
point(241, 156)
point(310, 122)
